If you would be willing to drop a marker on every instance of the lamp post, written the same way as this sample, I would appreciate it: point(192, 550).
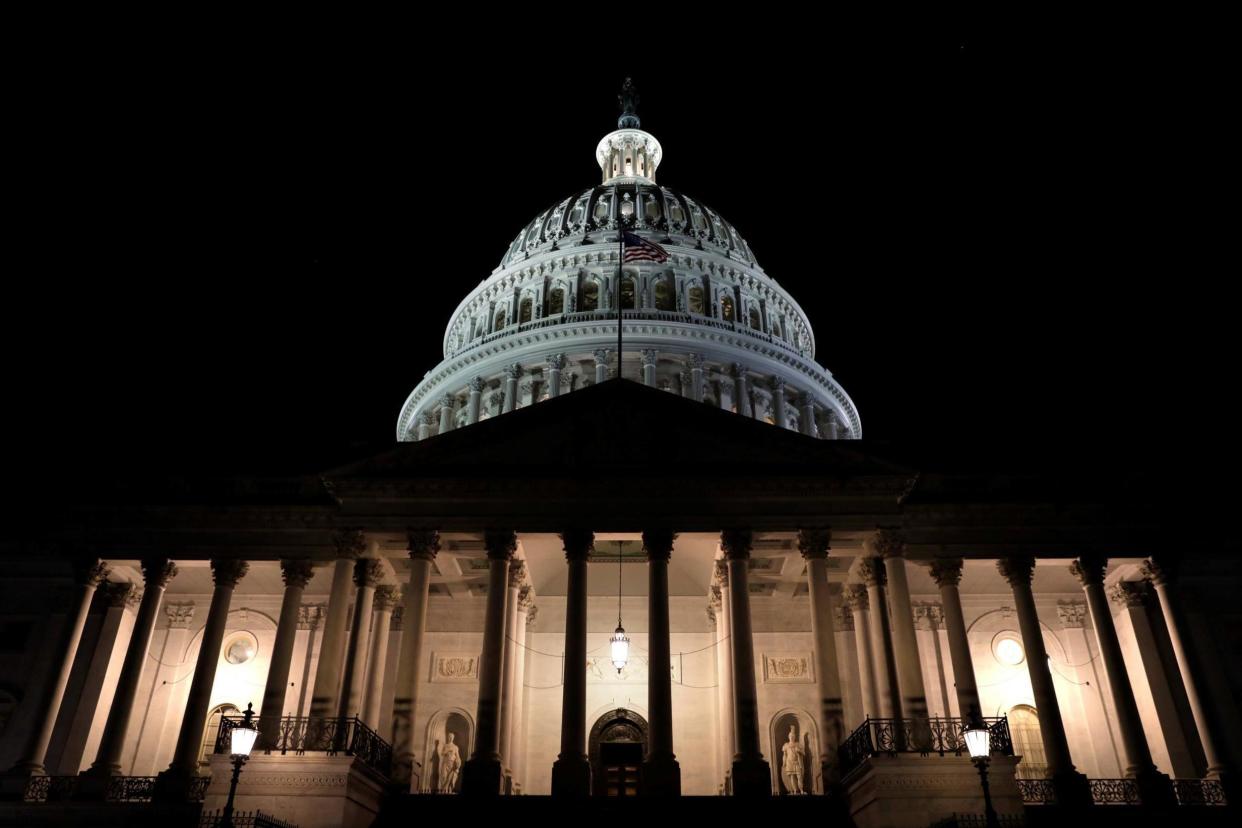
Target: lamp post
point(979, 743)
point(241, 740)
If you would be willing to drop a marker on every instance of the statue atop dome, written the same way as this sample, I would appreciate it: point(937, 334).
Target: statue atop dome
point(628, 99)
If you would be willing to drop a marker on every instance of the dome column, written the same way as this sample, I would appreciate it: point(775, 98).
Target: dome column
point(556, 362)
point(696, 377)
point(808, 414)
point(740, 392)
point(512, 373)
point(424, 426)
point(601, 365)
point(649, 356)
point(778, 402)
point(476, 398)
point(446, 414)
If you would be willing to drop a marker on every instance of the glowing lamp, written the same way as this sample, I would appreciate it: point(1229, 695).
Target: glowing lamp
point(620, 648)
point(978, 740)
point(243, 735)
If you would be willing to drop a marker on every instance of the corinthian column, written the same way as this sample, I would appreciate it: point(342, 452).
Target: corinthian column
point(778, 402)
point(517, 726)
point(424, 426)
point(1155, 789)
point(88, 575)
point(813, 544)
point(889, 545)
point(601, 365)
point(751, 776)
point(512, 373)
point(386, 598)
point(740, 392)
point(423, 546)
point(476, 397)
point(661, 772)
point(883, 658)
point(296, 574)
point(325, 700)
point(173, 784)
point(649, 357)
point(556, 363)
point(696, 377)
point(446, 414)
point(1070, 785)
point(947, 573)
point(367, 573)
point(508, 691)
point(724, 659)
point(157, 572)
point(571, 772)
point(482, 774)
point(856, 600)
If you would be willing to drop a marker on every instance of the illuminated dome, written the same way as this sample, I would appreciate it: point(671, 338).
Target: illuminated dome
point(707, 324)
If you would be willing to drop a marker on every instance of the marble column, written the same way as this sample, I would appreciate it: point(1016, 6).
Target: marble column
point(424, 426)
point(326, 695)
point(173, 784)
point(571, 772)
point(446, 414)
point(88, 575)
point(661, 774)
point(474, 400)
point(556, 363)
point(386, 599)
point(696, 377)
point(778, 402)
point(601, 365)
point(725, 655)
point(482, 774)
point(947, 573)
point(296, 573)
point(367, 574)
point(856, 599)
point(156, 572)
point(833, 425)
point(508, 690)
point(1155, 788)
point(649, 357)
point(741, 394)
point(883, 656)
point(751, 776)
point(512, 374)
point(423, 546)
point(517, 736)
point(813, 544)
point(889, 545)
point(807, 420)
point(1071, 786)
point(1161, 573)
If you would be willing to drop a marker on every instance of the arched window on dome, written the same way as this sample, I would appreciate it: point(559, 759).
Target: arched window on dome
point(602, 205)
point(498, 322)
point(694, 299)
point(664, 293)
point(776, 327)
point(755, 321)
point(726, 308)
point(556, 301)
point(627, 293)
point(590, 295)
point(525, 310)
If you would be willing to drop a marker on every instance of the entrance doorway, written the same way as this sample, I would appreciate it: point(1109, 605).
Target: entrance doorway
point(617, 746)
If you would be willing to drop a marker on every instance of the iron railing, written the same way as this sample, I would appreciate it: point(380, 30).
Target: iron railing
point(1199, 792)
point(980, 821)
point(1125, 792)
point(1037, 791)
point(922, 736)
point(120, 788)
point(303, 734)
point(1114, 792)
point(243, 819)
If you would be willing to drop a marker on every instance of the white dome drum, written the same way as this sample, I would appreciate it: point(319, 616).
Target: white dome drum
point(707, 324)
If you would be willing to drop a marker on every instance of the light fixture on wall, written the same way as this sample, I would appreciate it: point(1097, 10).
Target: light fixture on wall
point(620, 641)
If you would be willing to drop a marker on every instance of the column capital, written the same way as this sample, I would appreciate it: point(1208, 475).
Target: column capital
point(1017, 569)
point(720, 569)
point(737, 543)
point(531, 614)
point(856, 597)
point(555, 362)
point(808, 400)
point(476, 385)
point(696, 362)
point(386, 597)
point(157, 572)
point(946, 571)
point(886, 542)
point(447, 400)
point(711, 610)
point(740, 370)
point(513, 371)
point(714, 597)
point(425, 418)
point(872, 571)
point(1089, 569)
point(90, 571)
point(814, 543)
point(179, 615)
point(1160, 570)
point(296, 572)
point(577, 544)
point(649, 356)
point(526, 598)
point(1073, 614)
point(1130, 593)
point(367, 572)
point(928, 615)
point(500, 544)
point(843, 619)
point(228, 571)
point(658, 543)
point(517, 573)
point(423, 543)
point(120, 593)
point(309, 616)
point(350, 543)
point(778, 384)
point(601, 355)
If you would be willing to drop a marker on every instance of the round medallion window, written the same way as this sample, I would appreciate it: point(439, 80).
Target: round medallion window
point(1007, 647)
point(240, 648)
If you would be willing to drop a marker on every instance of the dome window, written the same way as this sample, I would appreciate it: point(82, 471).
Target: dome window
point(578, 212)
point(651, 209)
point(627, 293)
point(499, 321)
point(726, 309)
point(755, 321)
point(695, 300)
point(675, 213)
point(590, 295)
point(556, 301)
point(525, 310)
point(600, 214)
point(664, 295)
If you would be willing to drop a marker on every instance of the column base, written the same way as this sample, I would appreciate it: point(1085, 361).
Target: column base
point(661, 777)
point(571, 777)
point(481, 777)
point(14, 781)
point(751, 778)
point(1072, 789)
point(173, 785)
point(1156, 789)
point(93, 782)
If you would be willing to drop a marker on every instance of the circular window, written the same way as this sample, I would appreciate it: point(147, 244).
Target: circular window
point(240, 648)
point(1007, 648)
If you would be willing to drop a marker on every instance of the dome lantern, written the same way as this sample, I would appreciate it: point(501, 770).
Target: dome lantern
point(628, 155)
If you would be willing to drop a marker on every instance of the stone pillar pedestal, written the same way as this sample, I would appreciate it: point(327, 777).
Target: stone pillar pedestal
point(309, 791)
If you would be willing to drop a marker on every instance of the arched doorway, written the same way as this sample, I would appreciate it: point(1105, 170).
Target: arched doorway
point(616, 748)
point(1027, 742)
point(212, 729)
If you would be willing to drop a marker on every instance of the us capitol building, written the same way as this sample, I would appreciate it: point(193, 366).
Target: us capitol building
point(672, 572)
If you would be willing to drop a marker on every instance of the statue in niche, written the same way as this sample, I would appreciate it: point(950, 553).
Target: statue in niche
point(450, 765)
point(792, 757)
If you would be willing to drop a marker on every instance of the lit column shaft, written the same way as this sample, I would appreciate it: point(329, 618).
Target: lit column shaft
point(367, 572)
point(474, 400)
point(325, 698)
point(423, 546)
point(890, 546)
point(883, 658)
point(571, 773)
point(386, 598)
point(947, 573)
point(813, 544)
point(483, 773)
point(856, 599)
point(296, 575)
point(508, 690)
point(512, 373)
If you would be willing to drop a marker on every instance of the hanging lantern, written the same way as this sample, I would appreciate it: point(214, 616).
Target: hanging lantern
point(620, 648)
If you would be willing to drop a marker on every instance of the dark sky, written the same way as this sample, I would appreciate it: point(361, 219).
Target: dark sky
point(245, 255)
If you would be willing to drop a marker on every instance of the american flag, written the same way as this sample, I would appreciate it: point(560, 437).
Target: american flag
point(638, 249)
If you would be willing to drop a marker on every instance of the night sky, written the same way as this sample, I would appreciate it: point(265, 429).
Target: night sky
point(243, 257)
